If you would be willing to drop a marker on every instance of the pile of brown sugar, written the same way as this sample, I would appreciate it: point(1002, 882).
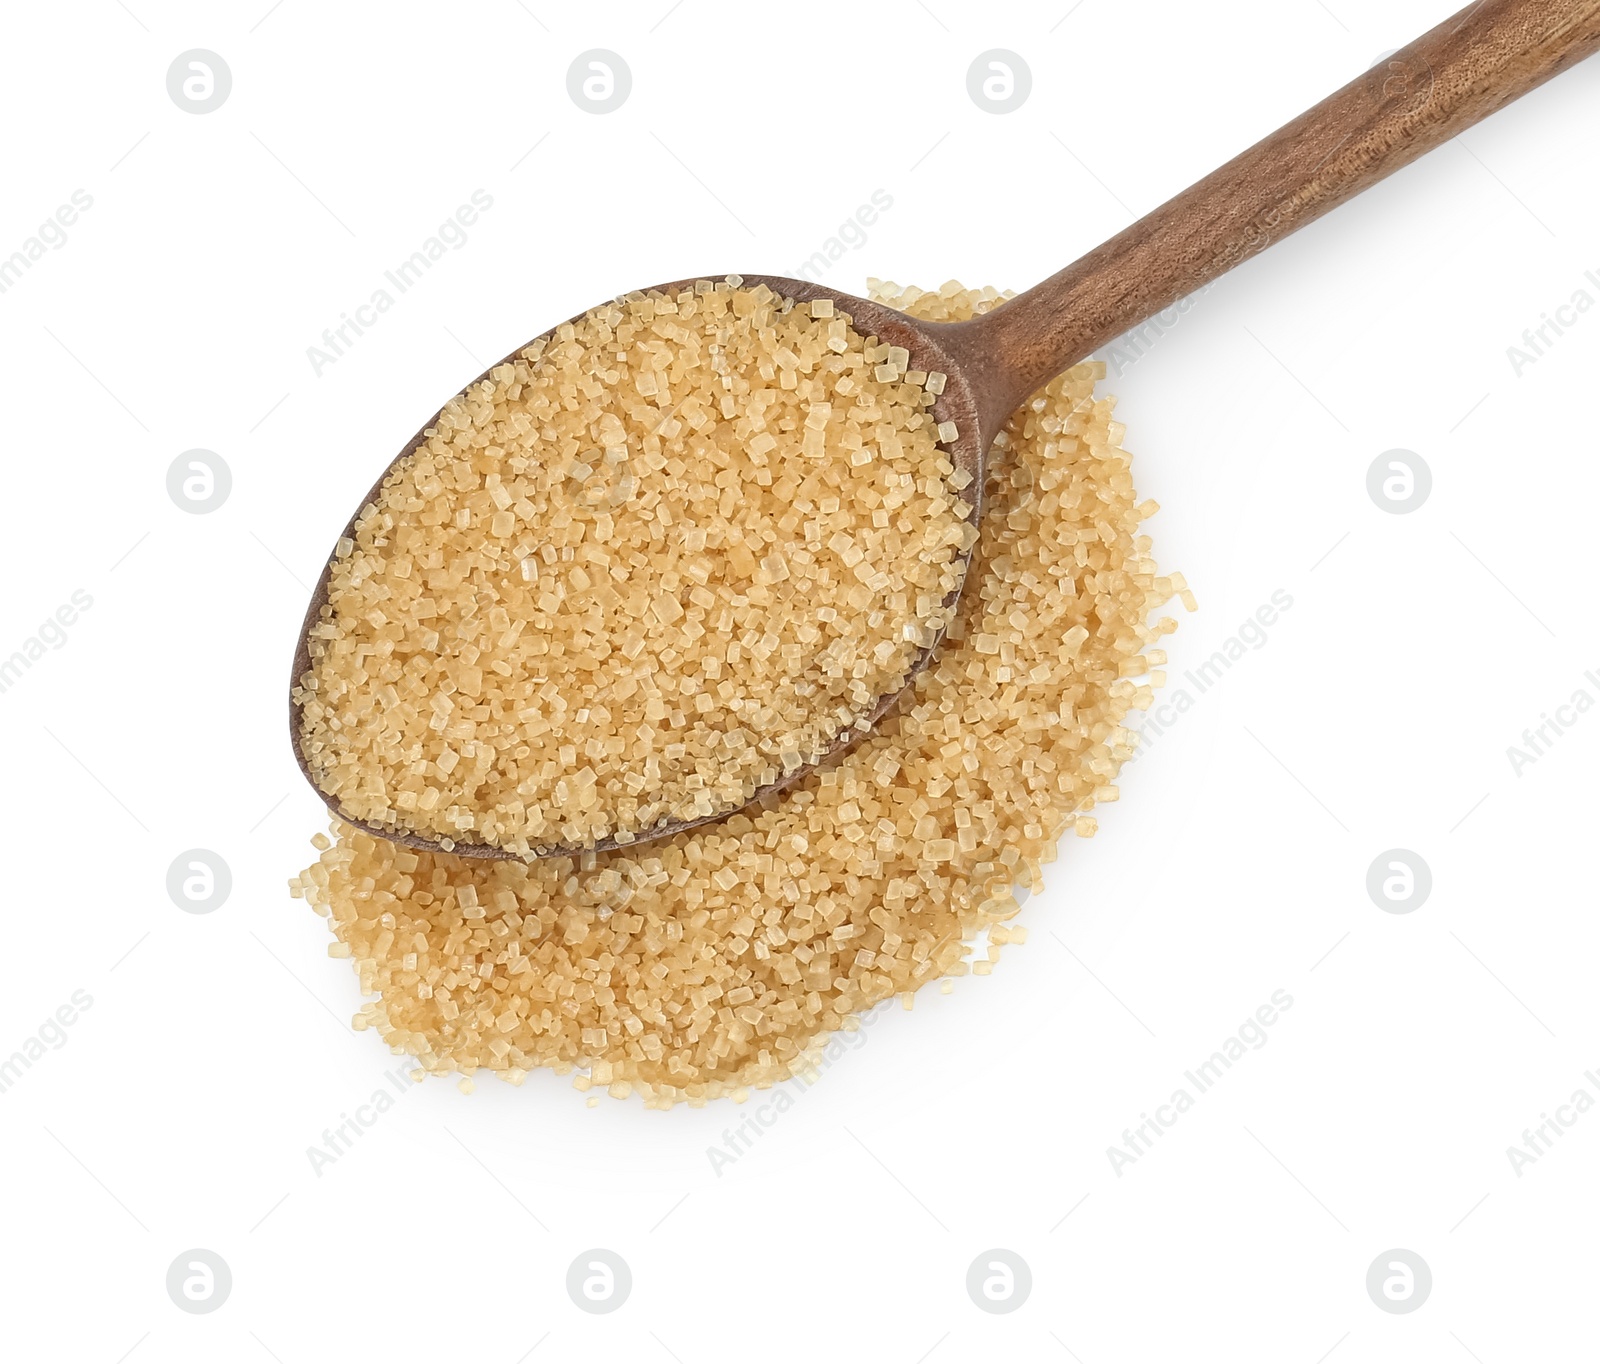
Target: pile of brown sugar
point(725, 957)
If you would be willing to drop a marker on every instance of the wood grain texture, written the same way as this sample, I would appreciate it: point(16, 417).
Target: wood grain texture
point(1472, 64)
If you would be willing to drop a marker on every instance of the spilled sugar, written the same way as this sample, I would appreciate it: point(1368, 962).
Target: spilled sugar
point(688, 969)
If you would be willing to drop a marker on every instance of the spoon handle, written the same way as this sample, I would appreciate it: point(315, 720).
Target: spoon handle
point(1472, 64)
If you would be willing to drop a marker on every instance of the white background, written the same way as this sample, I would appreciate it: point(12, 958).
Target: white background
point(177, 315)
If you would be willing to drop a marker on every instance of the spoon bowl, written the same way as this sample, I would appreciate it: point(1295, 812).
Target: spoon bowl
point(957, 403)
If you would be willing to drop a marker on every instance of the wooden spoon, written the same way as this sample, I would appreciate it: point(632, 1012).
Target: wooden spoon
point(1454, 75)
